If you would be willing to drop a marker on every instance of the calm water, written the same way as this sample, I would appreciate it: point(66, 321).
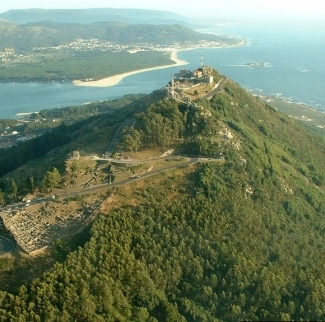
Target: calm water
point(296, 56)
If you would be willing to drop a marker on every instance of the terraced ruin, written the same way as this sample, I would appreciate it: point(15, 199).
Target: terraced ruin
point(38, 226)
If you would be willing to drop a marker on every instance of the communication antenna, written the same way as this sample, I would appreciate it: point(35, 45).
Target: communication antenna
point(202, 60)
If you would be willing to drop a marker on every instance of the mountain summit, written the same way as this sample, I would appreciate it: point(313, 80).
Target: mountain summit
point(236, 233)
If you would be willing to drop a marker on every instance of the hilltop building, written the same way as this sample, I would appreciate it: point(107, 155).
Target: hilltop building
point(190, 78)
point(187, 85)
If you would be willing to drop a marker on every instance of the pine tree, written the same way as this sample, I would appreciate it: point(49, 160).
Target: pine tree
point(12, 189)
point(30, 184)
point(51, 179)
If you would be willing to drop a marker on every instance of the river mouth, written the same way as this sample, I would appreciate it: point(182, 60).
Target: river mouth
point(6, 246)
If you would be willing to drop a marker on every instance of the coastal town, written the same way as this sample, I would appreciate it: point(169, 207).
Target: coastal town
point(10, 56)
point(13, 132)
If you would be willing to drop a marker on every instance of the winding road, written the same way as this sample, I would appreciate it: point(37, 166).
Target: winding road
point(133, 179)
point(118, 134)
point(188, 161)
point(218, 88)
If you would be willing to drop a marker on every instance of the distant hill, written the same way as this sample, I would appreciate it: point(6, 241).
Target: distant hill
point(93, 15)
point(34, 59)
point(44, 34)
point(5, 24)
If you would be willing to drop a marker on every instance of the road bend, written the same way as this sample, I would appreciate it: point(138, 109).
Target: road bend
point(218, 89)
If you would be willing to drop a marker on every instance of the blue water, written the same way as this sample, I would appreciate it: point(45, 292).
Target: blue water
point(17, 98)
point(296, 56)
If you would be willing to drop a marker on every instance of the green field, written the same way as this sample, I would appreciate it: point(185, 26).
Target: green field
point(95, 65)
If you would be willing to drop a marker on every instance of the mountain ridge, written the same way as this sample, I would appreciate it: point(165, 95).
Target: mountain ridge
point(47, 34)
point(218, 241)
point(92, 15)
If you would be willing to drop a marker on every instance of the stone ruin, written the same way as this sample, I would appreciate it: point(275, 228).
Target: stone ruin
point(37, 227)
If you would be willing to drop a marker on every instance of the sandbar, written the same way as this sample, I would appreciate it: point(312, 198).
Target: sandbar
point(114, 80)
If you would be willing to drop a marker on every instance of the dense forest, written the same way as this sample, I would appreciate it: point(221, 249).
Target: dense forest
point(235, 240)
point(73, 113)
point(218, 256)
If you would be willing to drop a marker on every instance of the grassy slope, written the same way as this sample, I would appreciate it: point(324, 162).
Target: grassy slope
point(308, 116)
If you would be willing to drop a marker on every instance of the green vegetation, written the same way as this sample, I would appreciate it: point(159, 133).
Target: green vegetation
point(89, 128)
point(309, 117)
point(85, 66)
point(80, 166)
point(88, 16)
point(50, 34)
point(239, 240)
point(162, 124)
point(52, 179)
point(44, 120)
point(20, 154)
point(7, 123)
point(131, 139)
point(68, 121)
point(219, 256)
point(2, 198)
point(73, 113)
point(52, 51)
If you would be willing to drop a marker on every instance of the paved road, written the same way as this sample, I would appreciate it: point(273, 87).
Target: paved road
point(218, 89)
point(84, 191)
point(24, 204)
point(189, 161)
point(135, 161)
point(129, 180)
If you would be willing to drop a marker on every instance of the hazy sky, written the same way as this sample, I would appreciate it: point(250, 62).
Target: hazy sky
point(215, 8)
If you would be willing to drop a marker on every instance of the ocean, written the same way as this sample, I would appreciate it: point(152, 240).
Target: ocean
point(294, 58)
point(294, 55)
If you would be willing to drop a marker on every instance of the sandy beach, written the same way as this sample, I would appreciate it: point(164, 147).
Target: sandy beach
point(113, 80)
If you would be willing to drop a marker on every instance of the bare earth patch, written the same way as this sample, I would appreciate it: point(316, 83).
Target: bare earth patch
point(38, 226)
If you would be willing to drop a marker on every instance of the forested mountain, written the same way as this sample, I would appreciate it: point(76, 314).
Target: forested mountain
point(47, 34)
point(236, 240)
point(88, 16)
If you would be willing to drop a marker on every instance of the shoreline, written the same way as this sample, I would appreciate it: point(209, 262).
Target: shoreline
point(115, 79)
